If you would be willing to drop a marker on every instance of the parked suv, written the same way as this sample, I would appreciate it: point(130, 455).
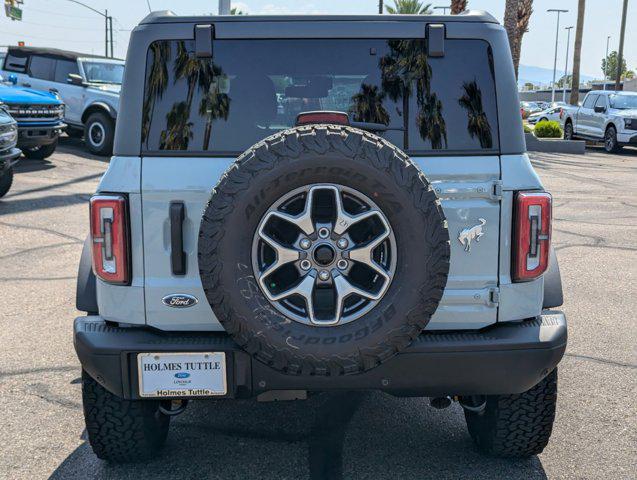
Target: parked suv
point(40, 118)
point(609, 117)
point(89, 86)
point(318, 203)
point(8, 152)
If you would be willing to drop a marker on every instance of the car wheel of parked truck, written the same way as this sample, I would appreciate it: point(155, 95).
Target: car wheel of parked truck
point(383, 229)
point(40, 152)
point(6, 180)
point(610, 140)
point(98, 133)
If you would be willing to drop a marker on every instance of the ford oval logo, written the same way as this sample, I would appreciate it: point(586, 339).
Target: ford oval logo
point(182, 375)
point(179, 300)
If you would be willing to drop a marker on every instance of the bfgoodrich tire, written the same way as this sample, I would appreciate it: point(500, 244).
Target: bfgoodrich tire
point(516, 425)
point(349, 159)
point(119, 430)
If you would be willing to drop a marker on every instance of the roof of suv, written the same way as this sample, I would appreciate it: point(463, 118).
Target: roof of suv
point(56, 52)
point(166, 16)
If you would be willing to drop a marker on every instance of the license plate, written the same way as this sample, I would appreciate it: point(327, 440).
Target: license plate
point(198, 374)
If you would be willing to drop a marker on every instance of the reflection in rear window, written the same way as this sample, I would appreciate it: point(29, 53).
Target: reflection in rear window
point(251, 89)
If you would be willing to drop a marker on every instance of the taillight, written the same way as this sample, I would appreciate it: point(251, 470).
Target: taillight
point(532, 236)
point(109, 235)
point(561, 112)
point(307, 118)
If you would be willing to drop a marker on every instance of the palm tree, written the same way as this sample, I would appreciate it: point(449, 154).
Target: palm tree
point(212, 106)
point(409, 7)
point(431, 123)
point(405, 65)
point(157, 83)
point(577, 51)
point(367, 105)
point(525, 9)
point(236, 11)
point(198, 72)
point(477, 122)
point(511, 23)
point(458, 6)
point(179, 131)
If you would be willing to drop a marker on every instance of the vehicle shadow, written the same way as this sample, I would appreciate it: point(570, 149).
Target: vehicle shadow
point(28, 165)
point(76, 146)
point(329, 436)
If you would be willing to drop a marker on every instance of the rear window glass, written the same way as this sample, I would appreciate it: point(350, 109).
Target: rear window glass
point(253, 88)
point(16, 62)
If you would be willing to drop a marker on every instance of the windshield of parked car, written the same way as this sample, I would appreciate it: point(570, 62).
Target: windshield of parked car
point(103, 72)
point(623, 102)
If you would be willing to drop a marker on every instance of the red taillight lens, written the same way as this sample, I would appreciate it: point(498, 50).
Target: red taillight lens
point(109, 236)
point(561, 112)
point(307, 118)
point(532, 235)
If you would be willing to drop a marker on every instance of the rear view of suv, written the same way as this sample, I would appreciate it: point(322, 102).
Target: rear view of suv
point(309, 204)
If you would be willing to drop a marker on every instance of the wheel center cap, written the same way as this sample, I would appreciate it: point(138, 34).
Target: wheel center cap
point(324, 255)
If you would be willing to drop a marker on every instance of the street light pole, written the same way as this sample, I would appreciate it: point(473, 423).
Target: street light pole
point(224, 7)
point(557, 34)
point(606, 61)
point(568, 40)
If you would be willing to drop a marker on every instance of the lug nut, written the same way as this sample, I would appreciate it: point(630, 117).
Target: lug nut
point(305, 264)
point(323, 232)
point(341, 264)
point(342, 243)
point(324, 275)
point(305, 243)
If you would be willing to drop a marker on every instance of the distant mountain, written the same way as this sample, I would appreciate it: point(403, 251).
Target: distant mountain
point(543, 76)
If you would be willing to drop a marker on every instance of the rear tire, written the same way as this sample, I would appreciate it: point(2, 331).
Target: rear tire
point(610, 140)
point(6, 180)
point(518, 425)
point(99, 131)
point(41, 152)
point(121, 430)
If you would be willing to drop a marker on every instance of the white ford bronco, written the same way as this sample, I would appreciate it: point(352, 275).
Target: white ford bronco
point(319, 203)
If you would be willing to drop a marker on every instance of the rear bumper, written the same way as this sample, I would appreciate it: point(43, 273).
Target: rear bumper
point(505, 358)
point(38, 135)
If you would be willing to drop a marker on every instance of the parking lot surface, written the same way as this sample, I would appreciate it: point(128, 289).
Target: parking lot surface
point(44, 220)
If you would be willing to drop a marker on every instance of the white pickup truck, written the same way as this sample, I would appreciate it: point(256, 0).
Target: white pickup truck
point(609, 117)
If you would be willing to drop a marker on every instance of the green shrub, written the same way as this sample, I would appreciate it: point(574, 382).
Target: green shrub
point(527, 129)
point(549, 129)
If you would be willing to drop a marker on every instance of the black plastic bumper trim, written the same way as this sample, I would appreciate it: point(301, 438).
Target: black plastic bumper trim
point(504, 358)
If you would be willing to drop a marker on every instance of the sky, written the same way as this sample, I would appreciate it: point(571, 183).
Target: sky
point(63, 24)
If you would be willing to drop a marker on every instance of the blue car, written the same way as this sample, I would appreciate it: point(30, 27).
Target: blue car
point(40, 118)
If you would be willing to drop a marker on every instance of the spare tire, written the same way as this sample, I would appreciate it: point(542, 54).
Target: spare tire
point(323, 251)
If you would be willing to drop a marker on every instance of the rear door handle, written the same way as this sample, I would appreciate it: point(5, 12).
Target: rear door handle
point(177, 254)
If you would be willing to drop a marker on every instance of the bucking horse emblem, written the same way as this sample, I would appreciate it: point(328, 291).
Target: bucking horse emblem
point(467, 235)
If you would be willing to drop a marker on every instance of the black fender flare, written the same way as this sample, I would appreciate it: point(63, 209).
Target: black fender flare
point(96, 107)
point(553, 295)
point(86, 294)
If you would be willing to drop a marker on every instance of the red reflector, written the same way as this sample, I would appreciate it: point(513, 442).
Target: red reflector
point(109, 238)
point(307, 118)
point(532, 236)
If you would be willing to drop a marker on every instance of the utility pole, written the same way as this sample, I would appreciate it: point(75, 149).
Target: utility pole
point(568, 41)
point(380, 7)
point(106, 33)
point(110, 28)
point(606, 61)
point(620, 54)
point(224, 7)
point(557, 34)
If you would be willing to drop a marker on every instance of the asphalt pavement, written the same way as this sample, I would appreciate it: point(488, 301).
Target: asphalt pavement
point(43, 223)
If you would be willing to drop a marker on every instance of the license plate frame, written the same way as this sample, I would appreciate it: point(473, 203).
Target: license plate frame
point(193, 374)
